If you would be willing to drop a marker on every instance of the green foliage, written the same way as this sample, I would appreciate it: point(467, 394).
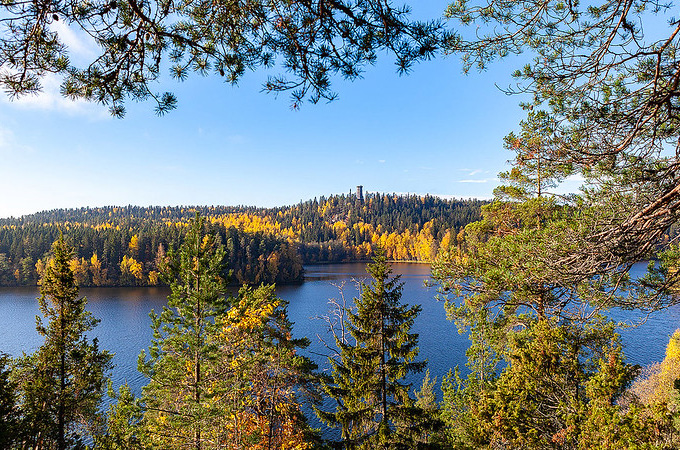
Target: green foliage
point(180, 365)
point(561, 389)
point(508, 265)
point(537, 166)
point(124, 429)
point(61, 385)
point(374, 407)
point(427, 433)
point(459, 412)
point(608, 425)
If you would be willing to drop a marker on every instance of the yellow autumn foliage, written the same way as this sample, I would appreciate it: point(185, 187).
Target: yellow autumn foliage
point(133, 246)
point(132, 267)
point(154, 277)
point(658, 386)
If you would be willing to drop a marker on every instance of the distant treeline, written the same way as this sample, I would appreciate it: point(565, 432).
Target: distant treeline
point(123, 246)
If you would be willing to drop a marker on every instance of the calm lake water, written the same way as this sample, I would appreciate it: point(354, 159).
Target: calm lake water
point(124, 327)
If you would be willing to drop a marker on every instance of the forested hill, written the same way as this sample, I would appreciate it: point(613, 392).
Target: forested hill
point(124, 245)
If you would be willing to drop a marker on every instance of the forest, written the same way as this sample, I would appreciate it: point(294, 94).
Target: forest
point(122, 246)
point(224, 371)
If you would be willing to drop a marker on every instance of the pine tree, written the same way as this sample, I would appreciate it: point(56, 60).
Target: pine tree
point(179, 397)
point(374, 408)
point(225, 39)
point(592, 107)
point(62, 384)
point(537, 326)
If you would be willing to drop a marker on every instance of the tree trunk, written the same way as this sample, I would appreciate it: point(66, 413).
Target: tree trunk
point(61, 442)
point(197, 356)
point(383, 375)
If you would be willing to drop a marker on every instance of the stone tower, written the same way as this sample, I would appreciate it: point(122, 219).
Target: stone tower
point(360, 193)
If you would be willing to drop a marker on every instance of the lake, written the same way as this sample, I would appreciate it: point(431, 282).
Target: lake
point(124, 327)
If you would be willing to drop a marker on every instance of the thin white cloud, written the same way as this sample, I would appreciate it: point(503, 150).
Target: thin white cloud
point(381, 161)
point(462, 197)
point(81, 47)
point(473, 181)
point(473, 172)
point(9, 145)
point(571, 185)
point(6, 136)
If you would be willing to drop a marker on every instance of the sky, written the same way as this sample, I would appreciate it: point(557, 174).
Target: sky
point(433, 131)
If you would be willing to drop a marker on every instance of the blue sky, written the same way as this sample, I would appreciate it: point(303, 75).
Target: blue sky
point(433, 131)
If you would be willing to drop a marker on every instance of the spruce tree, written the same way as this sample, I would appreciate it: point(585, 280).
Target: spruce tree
point(179, 398)
point(62, 384)
point(374, 408)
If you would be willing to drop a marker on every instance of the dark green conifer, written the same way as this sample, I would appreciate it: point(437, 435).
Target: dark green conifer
point(374, 407)
point(62, 384)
